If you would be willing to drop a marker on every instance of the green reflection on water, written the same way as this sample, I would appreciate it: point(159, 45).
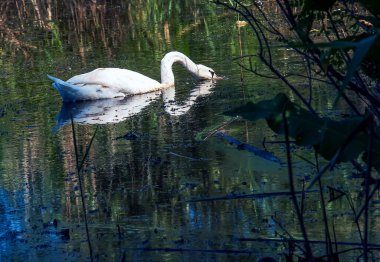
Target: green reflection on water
point(139, 184)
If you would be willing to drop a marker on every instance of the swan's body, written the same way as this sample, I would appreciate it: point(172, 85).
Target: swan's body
point(115, 82)
point(107, 111)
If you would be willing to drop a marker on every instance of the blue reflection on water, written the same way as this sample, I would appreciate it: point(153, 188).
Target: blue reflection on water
point(11, 222)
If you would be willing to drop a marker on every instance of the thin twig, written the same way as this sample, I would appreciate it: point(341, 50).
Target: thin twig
point(325, 219)
point(367, 178)
point(216, 251)
point(309, 253)
point(211, 133)
point(79, 167)
point(250, 196)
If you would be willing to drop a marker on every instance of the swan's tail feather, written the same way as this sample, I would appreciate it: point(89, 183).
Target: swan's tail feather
point(58, 83)
point(68, 92)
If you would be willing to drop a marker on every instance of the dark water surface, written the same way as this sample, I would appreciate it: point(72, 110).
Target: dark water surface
point(147, 157)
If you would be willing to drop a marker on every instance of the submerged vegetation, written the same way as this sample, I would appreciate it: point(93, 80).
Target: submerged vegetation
point(156, 186)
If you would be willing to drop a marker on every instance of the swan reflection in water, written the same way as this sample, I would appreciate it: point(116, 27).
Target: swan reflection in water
point(107, 111)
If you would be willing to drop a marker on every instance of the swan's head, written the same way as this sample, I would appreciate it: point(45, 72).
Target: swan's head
point(204, 72)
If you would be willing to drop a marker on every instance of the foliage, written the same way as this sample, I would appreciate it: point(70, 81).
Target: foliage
point(349, 137)
point(337, 42)
point(337, 46)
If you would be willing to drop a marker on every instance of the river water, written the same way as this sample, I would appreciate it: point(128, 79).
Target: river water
point(149, 156)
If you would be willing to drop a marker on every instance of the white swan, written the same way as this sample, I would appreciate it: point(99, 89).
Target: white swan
point(107, 111)
point(115, 82)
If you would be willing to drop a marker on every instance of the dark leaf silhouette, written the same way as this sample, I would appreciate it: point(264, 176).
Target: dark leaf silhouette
point(346, 140)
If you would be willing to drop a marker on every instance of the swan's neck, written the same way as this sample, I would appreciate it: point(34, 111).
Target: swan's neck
point(167, 76)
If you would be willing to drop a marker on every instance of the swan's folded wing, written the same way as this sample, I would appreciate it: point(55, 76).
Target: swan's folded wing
point(122, 80)
point(77, 92)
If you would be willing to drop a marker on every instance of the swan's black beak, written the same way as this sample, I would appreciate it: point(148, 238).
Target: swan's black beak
point(212, 74)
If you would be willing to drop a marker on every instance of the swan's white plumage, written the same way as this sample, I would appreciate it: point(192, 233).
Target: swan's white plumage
point(115, 82)
point(120, 80)
point(116, 110)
